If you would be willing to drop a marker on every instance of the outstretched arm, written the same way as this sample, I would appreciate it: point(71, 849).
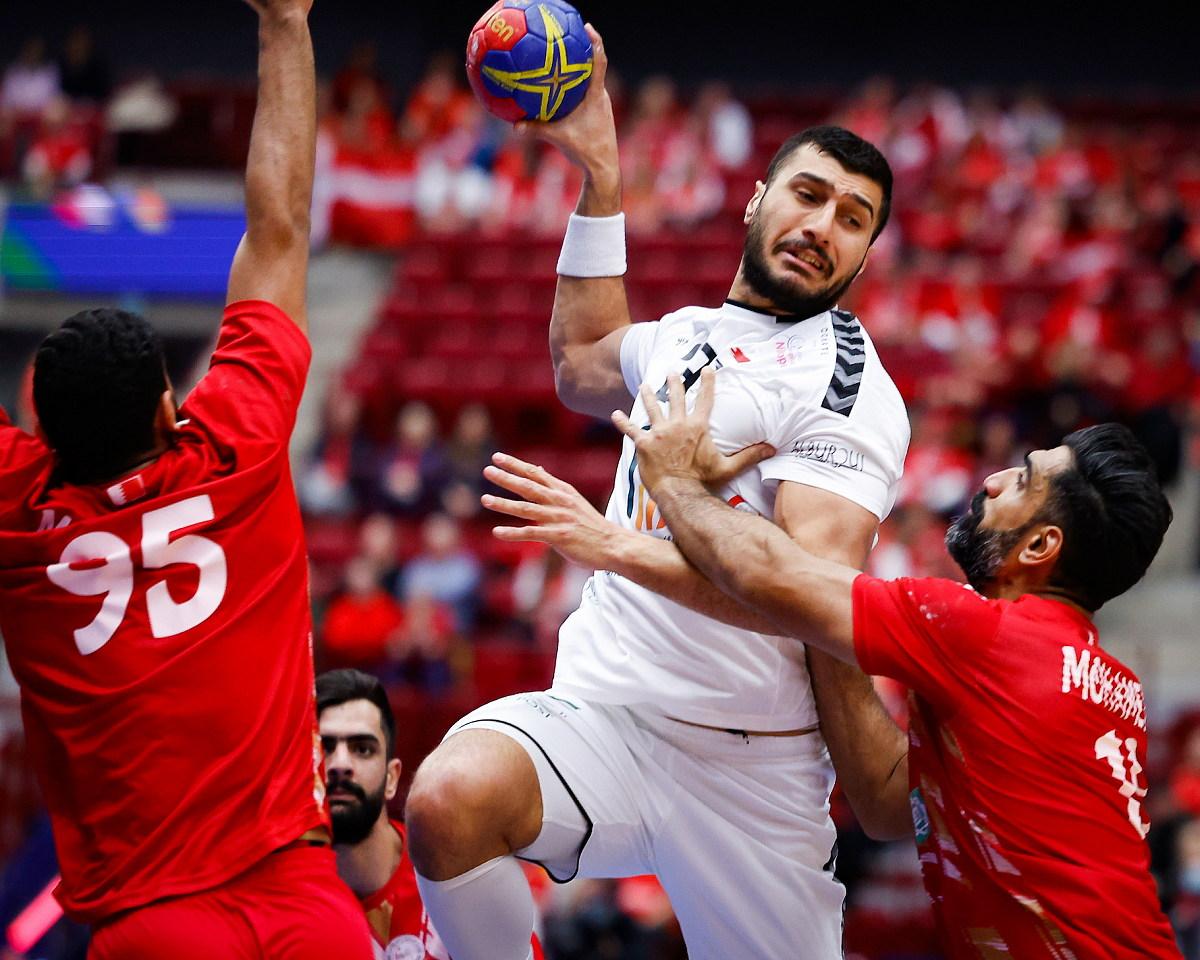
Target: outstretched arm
point(590, 315)
point(271, 262)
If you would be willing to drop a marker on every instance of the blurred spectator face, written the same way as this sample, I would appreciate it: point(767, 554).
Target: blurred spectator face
point(441, 535)
point(377, 541)
point(1188, 847)
point(363, 101)
point(361, 580)
point(56, 115)
point(809, 232)
point(416, 427)
point(78, 48)
point(33, 52)
point(341, 413)
point(474, 426)
point(359, 778)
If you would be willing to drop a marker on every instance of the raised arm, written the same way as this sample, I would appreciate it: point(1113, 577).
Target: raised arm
point(271, 262)
point(590, 315)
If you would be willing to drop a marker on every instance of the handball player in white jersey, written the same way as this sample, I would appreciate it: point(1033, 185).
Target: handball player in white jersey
point(681, 737)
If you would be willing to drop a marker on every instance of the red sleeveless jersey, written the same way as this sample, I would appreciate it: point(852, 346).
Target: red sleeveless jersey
point(1026, 745)
point(159, 628)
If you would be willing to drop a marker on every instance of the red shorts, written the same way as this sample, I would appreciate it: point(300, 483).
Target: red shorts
point(291, 905)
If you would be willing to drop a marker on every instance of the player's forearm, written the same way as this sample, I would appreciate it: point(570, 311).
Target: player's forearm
point(659, 566)
point(279, 170)
point(588, 309)
point(869, 751)
point(760, 566)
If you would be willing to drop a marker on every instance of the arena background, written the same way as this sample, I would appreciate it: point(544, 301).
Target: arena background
point(1042, 271)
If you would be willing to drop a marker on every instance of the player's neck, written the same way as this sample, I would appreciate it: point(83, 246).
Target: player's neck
point(1014, 590)
point(367, 867)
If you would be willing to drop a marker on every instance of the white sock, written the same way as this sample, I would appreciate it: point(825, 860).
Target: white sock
point(484, 914)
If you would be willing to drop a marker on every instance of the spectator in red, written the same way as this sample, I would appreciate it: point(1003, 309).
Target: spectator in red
point(423, 651)
point(1185, 779)
point(439, 105)
point(361, 621)
point(60, 156)
point(361, 70)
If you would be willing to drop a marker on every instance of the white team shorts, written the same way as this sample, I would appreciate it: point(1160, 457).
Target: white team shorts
point(736, 827)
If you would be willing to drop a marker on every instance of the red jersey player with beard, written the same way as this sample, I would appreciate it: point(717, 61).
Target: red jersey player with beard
point(358, 734)
point(1026, 738)
point(154, 597)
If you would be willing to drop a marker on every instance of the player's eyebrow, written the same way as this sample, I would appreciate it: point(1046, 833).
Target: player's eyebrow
point(353, 738)
point(1028, 469)
point(828, 185)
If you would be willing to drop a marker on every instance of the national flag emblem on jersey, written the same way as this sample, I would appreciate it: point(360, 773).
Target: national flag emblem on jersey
point(529, 60)
point(127, 491)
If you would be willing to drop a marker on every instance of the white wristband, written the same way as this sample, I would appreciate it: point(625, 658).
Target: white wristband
point(593, 247)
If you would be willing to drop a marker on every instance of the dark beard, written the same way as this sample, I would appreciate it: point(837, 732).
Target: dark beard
point(784, 296)
point(980, 553)
point(352, 823)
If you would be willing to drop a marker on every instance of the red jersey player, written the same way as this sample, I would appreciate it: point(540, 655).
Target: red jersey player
point(1026, 738)
point(358, 734)
point(154, 602)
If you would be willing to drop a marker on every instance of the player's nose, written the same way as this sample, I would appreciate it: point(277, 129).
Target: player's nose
point(819, 224)
point(996, 483)
point(338, 759)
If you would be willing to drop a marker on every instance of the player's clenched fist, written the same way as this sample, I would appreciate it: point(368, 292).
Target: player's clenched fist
point(678, 443)
point(588, 134)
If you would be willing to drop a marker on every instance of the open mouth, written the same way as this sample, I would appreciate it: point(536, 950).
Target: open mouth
point(805, 261)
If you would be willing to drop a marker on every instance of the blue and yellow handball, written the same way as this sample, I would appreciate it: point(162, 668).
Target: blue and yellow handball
point(529, 59)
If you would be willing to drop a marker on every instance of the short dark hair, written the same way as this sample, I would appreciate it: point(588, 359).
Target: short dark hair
point(335, 687)
point(1112, 511)
point(97, 381)
point(851, 151)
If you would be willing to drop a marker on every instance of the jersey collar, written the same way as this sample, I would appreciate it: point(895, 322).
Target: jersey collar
point(743, 310)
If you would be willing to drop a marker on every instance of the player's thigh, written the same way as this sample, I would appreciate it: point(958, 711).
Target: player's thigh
point(301, 910)
point(584, 756)
point(737, 897)
point(747, 852)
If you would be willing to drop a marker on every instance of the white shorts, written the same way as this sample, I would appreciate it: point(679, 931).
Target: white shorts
point(736, 827)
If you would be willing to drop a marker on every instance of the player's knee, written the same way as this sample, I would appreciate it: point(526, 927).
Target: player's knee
point(466, 807)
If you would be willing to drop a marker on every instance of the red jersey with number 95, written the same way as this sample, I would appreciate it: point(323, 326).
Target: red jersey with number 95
point(159, 628)
point(1026, 745)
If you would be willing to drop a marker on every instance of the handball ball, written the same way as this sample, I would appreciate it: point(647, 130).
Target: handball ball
point(529, 59)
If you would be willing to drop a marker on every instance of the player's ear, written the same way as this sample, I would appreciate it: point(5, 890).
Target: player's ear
point(752, 206)
point(392, 782)
point(166, 416)
point(1043, 548)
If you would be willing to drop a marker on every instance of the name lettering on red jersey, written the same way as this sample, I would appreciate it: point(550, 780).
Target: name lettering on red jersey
point(1099, 683)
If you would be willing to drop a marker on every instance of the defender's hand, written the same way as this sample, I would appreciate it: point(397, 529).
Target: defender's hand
point(679, 444)
point(588, 134)
point(559, 514)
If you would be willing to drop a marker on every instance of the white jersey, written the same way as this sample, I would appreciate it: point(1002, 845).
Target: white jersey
point(815, 390)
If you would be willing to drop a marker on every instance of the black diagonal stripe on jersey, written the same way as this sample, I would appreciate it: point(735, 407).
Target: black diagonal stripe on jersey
point(849, 365)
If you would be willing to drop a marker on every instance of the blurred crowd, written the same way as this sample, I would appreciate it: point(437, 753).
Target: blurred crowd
point(437, 161)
